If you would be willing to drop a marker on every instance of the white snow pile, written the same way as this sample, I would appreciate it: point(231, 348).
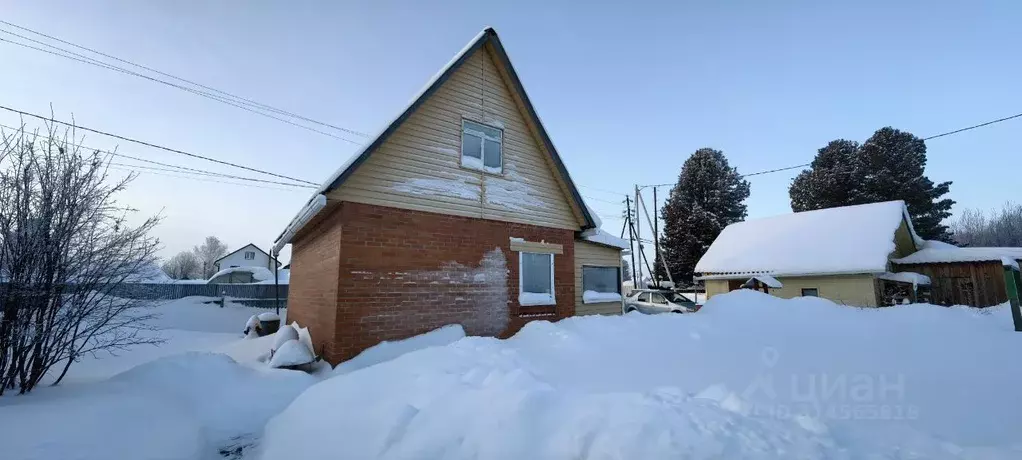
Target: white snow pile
point(186, 406)
point(599, 297)
point(389, 350)
point(749, 376)
point(945, 253)
point(850, 239)
point(915, 279)
point(291, 353)
point(283, 277)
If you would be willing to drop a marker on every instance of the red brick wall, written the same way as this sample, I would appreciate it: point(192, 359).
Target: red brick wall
point(402, 273)
point(312, 294)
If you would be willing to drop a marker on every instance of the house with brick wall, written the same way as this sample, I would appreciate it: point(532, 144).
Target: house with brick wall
point(460, 211)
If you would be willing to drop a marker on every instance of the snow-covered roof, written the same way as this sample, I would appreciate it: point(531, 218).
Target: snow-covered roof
point(600, 236)
point(845, 240)
point(906, 277)
point(487, 35)
point(946, 253)
point(258, 273)
point(769, 281)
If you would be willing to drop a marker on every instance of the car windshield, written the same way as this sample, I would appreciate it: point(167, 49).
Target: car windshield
point(674, 297)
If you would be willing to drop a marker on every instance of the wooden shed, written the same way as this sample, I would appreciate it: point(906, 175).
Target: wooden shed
point(964, 276)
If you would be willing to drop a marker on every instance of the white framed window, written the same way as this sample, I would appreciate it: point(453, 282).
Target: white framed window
point(482, 147)
point(601, 284)
point(535, 279)
point(249, 255)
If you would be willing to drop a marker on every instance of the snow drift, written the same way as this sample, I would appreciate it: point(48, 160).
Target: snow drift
point(185, 406)
point(749, 376)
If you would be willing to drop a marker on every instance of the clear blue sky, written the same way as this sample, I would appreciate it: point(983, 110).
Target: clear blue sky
point(626, 90)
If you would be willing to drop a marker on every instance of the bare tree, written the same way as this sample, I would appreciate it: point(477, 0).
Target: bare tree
point(211, 250)
point(65, 249)
point(183, 266)
point(1002, 228)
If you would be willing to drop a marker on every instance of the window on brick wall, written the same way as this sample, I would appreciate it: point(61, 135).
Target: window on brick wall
point(601, 284)
point(481, 147)
point(535, 279)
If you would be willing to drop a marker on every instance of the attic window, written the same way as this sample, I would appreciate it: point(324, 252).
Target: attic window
point(249, 255)
point(481, 147)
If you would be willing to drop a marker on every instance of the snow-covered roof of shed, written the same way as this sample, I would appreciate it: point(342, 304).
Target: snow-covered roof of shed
point(946, 253)
point(849, 239)
point(600, 236)
point(487, 35)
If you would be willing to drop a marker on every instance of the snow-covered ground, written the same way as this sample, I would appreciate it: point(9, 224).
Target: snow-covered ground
point(749, 376)
point(173, 401)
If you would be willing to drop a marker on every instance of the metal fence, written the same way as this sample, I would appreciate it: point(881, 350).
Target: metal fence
point(256, 295)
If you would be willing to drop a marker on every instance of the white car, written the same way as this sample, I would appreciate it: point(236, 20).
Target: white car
point(650, 301)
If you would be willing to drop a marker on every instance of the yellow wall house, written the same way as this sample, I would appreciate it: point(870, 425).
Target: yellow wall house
point(842, 254)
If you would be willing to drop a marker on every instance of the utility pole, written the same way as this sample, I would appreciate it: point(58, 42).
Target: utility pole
point(656, 237)
point(276, 283)
point(638, 232)
point(631, 242)
point(663, 262)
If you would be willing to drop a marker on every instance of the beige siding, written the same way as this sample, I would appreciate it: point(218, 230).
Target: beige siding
point(419, 166)
point(594, 254)
point(714, 287)
point(858, 290)
point(903, 242)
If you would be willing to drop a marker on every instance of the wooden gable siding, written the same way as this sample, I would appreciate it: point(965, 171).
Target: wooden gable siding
point(594, 255)
point(978, 284)
point(904, 244)
point(419, 166)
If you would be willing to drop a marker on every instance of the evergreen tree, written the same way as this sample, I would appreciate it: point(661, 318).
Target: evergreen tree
point(888, 166)
point(828, 184)
point(626, 270)
point(709, 196)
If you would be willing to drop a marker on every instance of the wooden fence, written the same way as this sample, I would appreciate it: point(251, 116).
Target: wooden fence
point(256, 295)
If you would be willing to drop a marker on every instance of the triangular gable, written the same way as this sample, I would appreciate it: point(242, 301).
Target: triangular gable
point(240, 249)
point(487, 36)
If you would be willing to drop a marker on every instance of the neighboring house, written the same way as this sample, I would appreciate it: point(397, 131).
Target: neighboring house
point(460, 211)
point(980, 277)
point(842, 254)
point(248, 255)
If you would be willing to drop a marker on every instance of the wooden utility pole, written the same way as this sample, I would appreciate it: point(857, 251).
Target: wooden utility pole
point(638, 232)
point(656, 237)
point(631, 242)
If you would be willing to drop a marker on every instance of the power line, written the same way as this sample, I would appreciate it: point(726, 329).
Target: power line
point(87, 60)
point(148, 144)
point(602, 190)
point(150, 69)
point(602, 200)
point(999, 120)
point(209, 174)
point(215, 181)
point(1017, 115)
point(184, 169)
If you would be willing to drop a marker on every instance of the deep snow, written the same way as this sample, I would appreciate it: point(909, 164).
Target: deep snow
point(749, 376)
point(157, 402)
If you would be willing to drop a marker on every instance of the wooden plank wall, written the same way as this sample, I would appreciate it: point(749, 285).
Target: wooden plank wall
point(978, 284)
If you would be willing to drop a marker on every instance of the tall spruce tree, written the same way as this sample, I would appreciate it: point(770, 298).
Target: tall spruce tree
point(709, 196)
point(890, 165)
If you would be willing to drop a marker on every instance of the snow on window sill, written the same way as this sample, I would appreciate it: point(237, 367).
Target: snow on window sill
point(477, 165)
point(532, 299)
point(600, 297)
